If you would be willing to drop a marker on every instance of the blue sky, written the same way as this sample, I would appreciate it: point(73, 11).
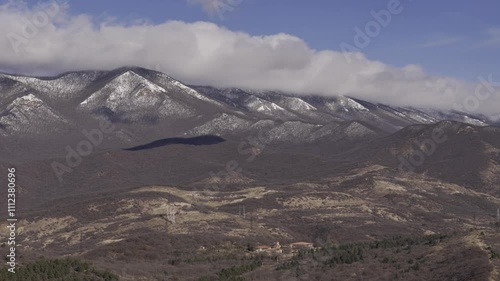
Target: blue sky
point(445, 37)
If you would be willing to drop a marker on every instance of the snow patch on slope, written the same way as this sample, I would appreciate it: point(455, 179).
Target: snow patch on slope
point(223, 124)
point(291, 131)
point(261, 105)
point(346, 104)
point(61, 87)
point(297, 104)
point(170, 84)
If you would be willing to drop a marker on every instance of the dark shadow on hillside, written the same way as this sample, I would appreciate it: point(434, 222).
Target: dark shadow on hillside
point(201, 140)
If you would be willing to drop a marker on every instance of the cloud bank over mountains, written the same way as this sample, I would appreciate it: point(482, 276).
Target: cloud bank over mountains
point(46, 39)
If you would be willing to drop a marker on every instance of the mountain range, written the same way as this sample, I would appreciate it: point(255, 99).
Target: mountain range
point(147, 105)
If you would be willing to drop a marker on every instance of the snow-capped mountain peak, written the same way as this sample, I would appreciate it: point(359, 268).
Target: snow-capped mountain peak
point(125, 86)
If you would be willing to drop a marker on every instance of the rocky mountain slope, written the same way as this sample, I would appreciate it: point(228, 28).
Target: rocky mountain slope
point(149, 105)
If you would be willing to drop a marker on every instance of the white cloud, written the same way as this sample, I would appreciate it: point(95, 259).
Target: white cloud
point(204, 53)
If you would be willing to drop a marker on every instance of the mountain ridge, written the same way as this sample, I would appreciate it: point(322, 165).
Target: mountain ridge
point(151, 105)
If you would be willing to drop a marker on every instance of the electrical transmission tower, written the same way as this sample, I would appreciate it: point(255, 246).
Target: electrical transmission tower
point(241, 211)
